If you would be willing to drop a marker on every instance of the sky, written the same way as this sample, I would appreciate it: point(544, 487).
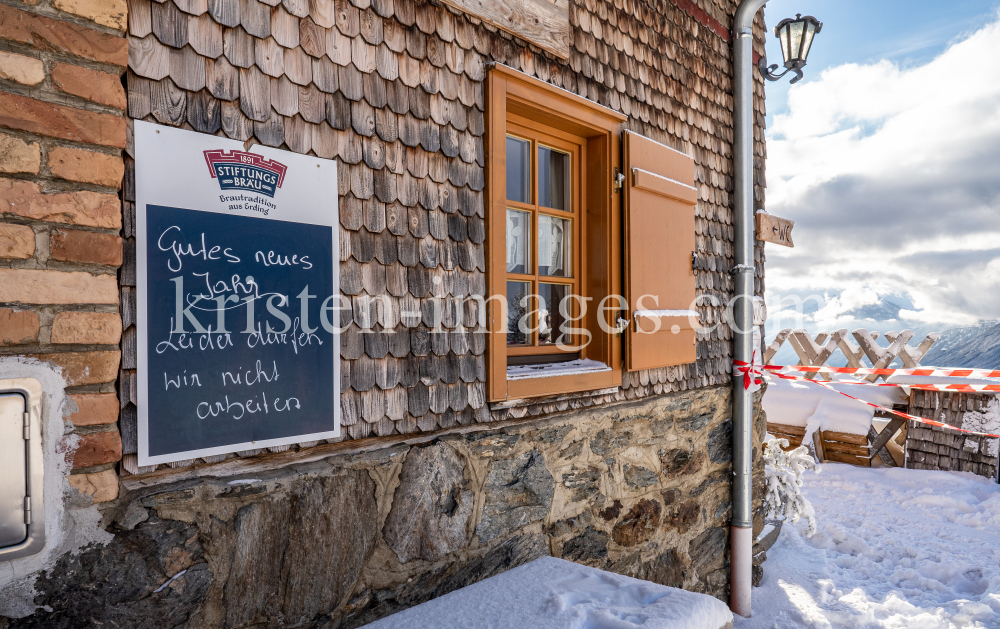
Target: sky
point(887, 157)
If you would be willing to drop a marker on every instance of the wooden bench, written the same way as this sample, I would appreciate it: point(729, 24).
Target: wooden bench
point(840, 447)
point(843, 447)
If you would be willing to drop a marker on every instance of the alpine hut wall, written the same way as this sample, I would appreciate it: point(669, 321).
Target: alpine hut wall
point(394, 90)
point(632, 479)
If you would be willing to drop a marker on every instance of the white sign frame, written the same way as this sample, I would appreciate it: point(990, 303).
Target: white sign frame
point(171, 170)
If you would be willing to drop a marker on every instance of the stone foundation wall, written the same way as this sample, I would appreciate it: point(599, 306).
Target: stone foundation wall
point(640, 488)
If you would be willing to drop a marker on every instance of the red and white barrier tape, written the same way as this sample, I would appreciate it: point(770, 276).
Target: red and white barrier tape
point(750, 372)
point(919, 371)
point(924, 386)
point(928, 386)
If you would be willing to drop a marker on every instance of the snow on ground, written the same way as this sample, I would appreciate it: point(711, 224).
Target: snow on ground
point(897, 548)
point(550, 593)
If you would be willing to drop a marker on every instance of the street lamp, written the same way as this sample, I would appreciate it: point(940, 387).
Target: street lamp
point(796, 37)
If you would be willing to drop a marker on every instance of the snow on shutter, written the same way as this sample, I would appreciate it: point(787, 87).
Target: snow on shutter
point(660, 200)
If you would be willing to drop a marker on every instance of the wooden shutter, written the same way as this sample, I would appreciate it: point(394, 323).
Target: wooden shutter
point(660, 200)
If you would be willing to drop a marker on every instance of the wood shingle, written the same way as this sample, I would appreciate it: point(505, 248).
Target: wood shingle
point(393, 90)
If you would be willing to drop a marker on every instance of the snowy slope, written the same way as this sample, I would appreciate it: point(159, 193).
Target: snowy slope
point(970, 346)
point(896, 548)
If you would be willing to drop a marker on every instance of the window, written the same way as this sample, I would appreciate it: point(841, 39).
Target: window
point(554, 240)
point(562, 269)
point(543, 224)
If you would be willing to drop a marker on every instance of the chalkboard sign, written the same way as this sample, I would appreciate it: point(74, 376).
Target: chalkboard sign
point(237, 296)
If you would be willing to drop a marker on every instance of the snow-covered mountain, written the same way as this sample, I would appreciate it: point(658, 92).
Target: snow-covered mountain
point(885, 309)
point(968, 346)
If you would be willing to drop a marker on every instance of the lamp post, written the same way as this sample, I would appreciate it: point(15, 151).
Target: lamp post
point(794, 47)
point(796, 37)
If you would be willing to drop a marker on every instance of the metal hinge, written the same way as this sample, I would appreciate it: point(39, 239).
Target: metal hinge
point(27, 509)
point(27, 426)
point(694, 260)
point(620, 326)
point(618, 180)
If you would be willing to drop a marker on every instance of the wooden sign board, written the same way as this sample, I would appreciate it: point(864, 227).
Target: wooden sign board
point(237, 275)
point(774, 229)
point(544, 23)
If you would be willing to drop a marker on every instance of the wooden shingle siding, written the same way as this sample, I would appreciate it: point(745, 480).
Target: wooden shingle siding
point(932, 448)
point(394, 91)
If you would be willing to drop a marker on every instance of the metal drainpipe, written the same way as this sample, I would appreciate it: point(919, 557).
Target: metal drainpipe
point(741, 526)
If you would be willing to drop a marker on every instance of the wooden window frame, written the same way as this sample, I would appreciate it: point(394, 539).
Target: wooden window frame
point(526, 101)
point(575, 147)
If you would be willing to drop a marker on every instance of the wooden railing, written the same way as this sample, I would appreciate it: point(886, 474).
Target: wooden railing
point(816, 352)
point(837, 446)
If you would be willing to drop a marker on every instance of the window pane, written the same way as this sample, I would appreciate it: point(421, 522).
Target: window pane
point(518, 170)
point(518, 325)
point(550, 316)
point(554, 179)
point(807, 39)
point(554, 238)
point(796, 39)
point(518, 242)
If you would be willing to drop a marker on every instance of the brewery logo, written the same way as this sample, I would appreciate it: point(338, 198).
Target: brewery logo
point(237, 170)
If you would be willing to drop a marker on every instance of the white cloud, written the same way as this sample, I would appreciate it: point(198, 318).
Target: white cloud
point(893, 178)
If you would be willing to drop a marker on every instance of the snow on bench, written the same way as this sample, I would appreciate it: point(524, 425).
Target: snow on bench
point(796, 409)
point(551, 593)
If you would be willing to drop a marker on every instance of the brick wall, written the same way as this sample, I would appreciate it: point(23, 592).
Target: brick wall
point(62, 131)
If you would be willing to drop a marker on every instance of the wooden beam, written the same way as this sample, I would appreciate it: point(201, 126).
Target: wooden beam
point(887, 433)
point(818, 444)
point(774, 428)
point(544, 23)
point(850, 459)
point(844, 448)
point(845, 437)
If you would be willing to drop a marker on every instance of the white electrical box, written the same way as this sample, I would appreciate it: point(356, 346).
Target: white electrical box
point(22, 470)
point(13, 470)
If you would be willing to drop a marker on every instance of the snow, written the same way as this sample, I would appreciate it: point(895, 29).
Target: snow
point(883, 396)
point(790, 402)
point(806, 404)
point(896, 548)
point(649, 314)
point(783, 472)
point(548, 370)
point(841, 414)
point(986, 420)
point(551, 593)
